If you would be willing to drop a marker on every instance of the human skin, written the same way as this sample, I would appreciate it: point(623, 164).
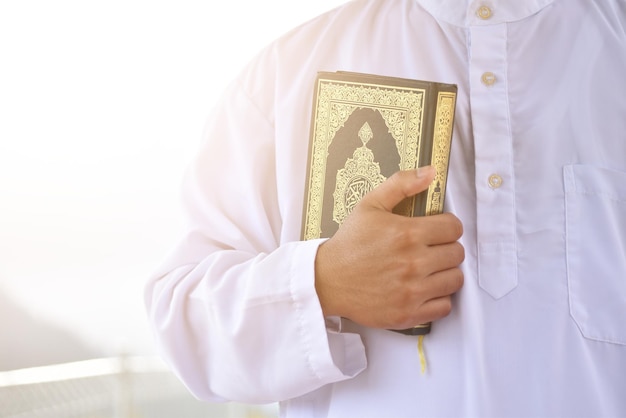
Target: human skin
point(385, 270)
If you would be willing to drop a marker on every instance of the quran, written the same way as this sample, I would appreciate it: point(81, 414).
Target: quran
point(364, 128)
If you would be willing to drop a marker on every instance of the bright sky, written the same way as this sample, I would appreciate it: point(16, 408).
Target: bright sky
point(102, 104)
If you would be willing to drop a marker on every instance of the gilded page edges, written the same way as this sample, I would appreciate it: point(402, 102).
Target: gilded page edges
point(442, 139)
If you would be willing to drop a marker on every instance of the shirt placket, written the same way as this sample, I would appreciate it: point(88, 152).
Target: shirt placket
point(497, 254)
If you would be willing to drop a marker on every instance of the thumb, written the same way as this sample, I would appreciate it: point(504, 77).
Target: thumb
point(399, 186)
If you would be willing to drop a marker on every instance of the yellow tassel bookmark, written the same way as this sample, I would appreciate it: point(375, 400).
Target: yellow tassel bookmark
point(420, 350)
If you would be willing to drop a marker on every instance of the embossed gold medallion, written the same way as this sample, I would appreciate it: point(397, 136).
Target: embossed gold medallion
point(359, 175)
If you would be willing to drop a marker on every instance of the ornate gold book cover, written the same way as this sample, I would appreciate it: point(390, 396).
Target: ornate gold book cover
point(366, 127)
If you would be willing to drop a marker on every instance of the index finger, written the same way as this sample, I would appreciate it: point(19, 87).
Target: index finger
point(439, 229)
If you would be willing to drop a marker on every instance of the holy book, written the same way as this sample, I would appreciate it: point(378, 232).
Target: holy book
point(364, 128)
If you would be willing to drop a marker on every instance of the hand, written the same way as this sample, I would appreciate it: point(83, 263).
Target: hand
point(385, 270)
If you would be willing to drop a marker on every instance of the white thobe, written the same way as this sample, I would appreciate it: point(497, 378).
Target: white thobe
point(537, 176)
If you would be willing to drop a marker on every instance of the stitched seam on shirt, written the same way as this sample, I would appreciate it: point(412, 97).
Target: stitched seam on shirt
point(611, 196)
point(510, 134)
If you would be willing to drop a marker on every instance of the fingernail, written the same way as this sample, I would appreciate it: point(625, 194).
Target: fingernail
point(424, 171)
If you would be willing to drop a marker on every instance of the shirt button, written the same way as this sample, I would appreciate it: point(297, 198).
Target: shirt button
point(488, 78)
point(483, 12)
point(495, 181)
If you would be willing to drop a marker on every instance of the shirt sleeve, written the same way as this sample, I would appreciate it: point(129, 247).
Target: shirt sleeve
point(234, 309)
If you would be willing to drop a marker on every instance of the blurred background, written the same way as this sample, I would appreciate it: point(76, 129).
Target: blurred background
point(102, 105)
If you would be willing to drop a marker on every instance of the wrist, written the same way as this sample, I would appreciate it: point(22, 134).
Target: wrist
point(323, 282)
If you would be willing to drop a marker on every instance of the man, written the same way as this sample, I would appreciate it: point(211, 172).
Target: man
point(534, 229)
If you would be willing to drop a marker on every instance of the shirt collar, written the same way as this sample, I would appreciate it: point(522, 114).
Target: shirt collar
point(482, 12)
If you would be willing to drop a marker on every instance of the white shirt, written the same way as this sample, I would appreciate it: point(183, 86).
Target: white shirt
point(537, 176)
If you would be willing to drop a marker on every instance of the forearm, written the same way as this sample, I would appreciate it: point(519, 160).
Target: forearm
point(249, 328)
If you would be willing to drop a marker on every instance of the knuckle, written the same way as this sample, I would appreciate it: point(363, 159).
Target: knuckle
point(416, 231)
point(445, 307)
point(403, 319)
point(454, 224)
point(459, 251)
point(453, 281)
point(458, 279)
point(395, 178)
point(413, 268)
point(457, 227)
point(399, 316)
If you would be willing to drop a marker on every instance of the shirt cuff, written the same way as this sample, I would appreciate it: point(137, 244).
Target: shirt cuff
point(332, 355)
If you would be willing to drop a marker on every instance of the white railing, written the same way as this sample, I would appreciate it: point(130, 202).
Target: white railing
point(120, 387)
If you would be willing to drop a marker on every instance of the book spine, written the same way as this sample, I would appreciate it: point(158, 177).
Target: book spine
point(436, 153)
point(440, 151)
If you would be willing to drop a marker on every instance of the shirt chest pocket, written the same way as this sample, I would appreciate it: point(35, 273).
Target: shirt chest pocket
point(595, 210)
